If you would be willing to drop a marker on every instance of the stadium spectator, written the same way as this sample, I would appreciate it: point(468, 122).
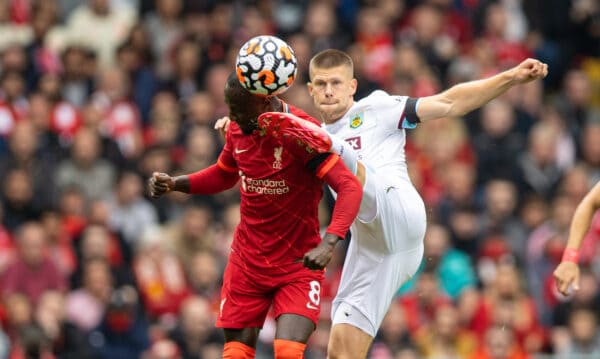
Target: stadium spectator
point(190, 233)
point(421, 304)
point(26, 152)
point(85, 306)
point(452, 267)
point(499, 343)
point(160, 276)
point(102, 25)
point(499, 216)
point(32, 272)
point(584, 336)
point(129, 211)
point(123, 332)
point(195, 335)
point(66, 340)
point(444, 338)
point(538, 163)
point(85, 168)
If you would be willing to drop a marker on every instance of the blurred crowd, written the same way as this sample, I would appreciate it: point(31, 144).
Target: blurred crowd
point(95, 95)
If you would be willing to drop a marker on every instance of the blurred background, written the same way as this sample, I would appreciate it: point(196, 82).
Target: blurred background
point(95, 95)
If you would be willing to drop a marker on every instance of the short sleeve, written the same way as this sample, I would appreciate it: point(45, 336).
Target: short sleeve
point(396, 111)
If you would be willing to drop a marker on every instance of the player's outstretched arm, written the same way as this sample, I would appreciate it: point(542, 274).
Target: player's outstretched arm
point(210, 180)
point(567, 271)
point(349, 195)
point(468, 96)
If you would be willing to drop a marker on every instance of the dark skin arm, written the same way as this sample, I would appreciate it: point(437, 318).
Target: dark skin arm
point(319, 257)
point(161, 183)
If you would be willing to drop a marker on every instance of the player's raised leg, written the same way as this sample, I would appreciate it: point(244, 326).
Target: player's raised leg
point(283, 124)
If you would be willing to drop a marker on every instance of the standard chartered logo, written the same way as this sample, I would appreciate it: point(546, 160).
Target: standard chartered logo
point(263, 186)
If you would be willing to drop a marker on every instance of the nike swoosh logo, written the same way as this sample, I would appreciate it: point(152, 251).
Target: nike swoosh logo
point(240, 151)
point(311, 306)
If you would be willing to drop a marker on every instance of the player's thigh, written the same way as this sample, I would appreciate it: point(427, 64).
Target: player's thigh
point(347, 341)
point(298, 298)
point(245, 300)
point(401, 216)
point(368, 204)
point(294, 327)
point(364, 295)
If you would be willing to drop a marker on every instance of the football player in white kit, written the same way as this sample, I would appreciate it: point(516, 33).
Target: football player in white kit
point(387, 236)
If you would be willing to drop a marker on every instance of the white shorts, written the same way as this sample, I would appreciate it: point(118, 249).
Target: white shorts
point(385, 251)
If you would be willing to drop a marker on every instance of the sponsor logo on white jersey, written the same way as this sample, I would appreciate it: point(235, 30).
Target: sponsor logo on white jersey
point(354, 142)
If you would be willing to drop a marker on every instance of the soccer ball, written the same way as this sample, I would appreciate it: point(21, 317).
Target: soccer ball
point(266, 65)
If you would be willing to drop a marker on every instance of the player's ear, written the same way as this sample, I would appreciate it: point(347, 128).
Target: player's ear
point(310, 88)
point(353, 86)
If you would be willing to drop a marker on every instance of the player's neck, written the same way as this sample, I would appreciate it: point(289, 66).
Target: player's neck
point(277, 105)
point(329, 119)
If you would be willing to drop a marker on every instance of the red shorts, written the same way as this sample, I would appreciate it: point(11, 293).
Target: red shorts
point(247, 297)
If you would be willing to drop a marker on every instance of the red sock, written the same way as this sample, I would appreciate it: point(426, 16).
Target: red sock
point(237, 350)
point(288, 349)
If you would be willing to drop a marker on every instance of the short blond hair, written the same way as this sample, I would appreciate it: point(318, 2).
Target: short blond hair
point(329, 58)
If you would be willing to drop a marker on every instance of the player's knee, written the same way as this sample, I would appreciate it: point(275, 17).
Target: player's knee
point(288, 349)
point(336, 349)
point(237, 350)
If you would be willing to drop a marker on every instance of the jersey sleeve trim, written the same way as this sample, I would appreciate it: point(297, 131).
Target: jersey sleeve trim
point(327, 165)
point(224, 167)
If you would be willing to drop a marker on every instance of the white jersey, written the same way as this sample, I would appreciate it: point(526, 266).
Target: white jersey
point(374, 128)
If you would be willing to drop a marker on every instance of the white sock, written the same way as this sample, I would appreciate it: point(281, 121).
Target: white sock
point(345, 151)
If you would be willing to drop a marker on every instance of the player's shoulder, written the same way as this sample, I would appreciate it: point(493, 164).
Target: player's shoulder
point(300, 113)
point(234, 133)
point(380, 98)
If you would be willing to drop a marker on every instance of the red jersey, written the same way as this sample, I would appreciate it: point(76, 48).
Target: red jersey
point(279, 199)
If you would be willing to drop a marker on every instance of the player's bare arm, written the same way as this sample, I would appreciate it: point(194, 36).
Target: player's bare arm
point(567, 272)
point(466, 97)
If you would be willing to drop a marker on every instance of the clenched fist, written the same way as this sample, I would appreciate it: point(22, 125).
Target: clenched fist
point(160, 183)
point(319, 257)
point(529, 70)
point(565, 274)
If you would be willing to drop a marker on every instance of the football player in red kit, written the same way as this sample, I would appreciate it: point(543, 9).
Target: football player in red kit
point(277, 251)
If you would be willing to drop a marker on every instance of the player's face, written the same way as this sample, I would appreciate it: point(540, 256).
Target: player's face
point(246, 113)
point(332, 90)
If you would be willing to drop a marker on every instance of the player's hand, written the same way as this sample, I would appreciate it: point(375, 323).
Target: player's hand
point(565, 274)
point(159, 184)
point(319, 257)
point(529, 70)
point(222, 125)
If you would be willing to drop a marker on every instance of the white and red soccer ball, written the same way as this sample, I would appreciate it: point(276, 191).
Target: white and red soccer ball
point(266, 65)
